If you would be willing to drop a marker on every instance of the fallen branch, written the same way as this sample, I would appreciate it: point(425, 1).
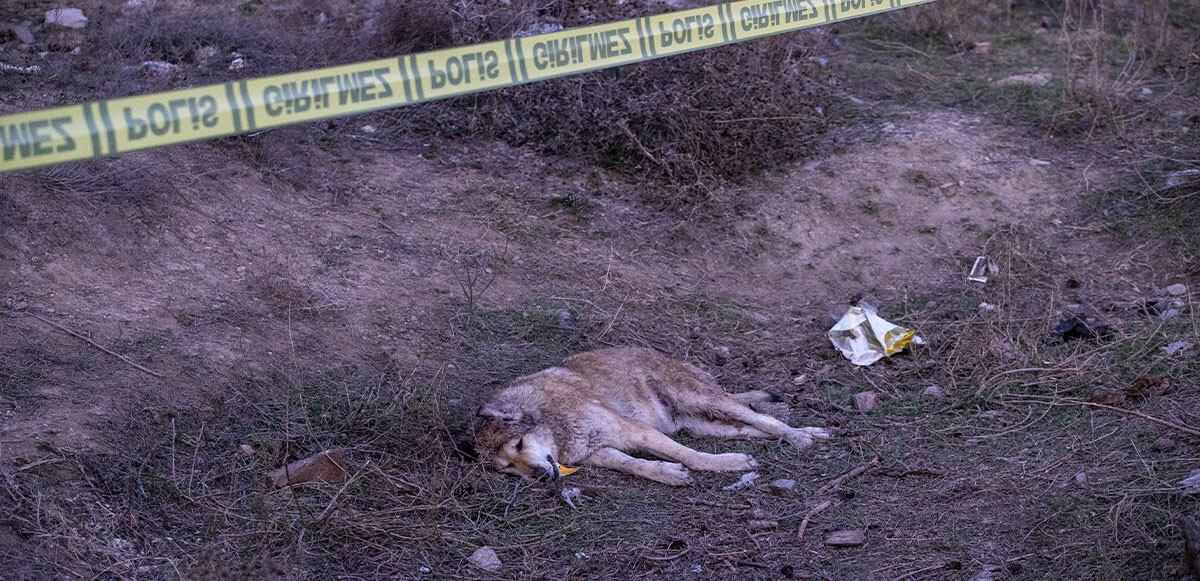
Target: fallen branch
point(1147, 417)
point(94, 344)
point(851, 474)
point(808, 516)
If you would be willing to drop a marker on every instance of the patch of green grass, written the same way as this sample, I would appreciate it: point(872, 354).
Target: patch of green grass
point(722, 314)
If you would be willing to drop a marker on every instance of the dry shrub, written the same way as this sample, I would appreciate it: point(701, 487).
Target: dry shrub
point(948, 21)
point(202, 39)
point(691, 120)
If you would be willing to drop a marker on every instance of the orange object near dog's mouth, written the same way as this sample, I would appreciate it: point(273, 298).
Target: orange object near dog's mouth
point(564, 471)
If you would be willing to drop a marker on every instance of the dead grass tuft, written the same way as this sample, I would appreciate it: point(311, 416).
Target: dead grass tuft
point(691, 121)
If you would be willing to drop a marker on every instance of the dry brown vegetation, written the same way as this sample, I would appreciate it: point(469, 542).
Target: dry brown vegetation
point(320, 287)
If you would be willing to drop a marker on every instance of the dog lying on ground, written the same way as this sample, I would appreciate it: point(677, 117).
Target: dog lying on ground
point(594, 407)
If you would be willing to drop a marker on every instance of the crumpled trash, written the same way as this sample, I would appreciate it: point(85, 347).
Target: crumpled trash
point(570, 495)
point(1191, 484)
point(864, 337)
point(1073, 327)
point(1177, 346)
point(982, 268)
point(746, 480)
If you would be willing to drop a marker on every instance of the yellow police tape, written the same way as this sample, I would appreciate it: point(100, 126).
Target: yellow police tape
point(118, 125)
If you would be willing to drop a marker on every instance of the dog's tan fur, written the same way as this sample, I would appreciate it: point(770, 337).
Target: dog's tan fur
point(594, 407)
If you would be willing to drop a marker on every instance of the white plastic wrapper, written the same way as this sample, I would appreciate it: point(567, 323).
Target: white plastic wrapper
point(864, 337)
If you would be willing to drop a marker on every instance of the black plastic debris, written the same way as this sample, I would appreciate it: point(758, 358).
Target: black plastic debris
point(1073, 327)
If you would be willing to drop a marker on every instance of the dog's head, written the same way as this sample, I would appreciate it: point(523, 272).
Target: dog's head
point(511, 440)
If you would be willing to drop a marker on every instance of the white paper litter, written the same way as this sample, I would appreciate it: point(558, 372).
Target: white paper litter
point(864, 337)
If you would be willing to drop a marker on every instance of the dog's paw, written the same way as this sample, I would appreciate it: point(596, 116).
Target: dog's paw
point(672, 474)
point(803, 437)
point(733, 462)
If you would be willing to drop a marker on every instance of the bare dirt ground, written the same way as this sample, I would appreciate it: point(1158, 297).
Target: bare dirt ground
point(320, 287)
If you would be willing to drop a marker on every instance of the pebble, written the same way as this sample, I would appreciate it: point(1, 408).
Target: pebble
point(1177, 290)
point(866, 401)
point(485, 558)
point(934, 392)
point(783, 487)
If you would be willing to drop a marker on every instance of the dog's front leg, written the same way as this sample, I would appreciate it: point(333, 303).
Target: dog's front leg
point(664, 472)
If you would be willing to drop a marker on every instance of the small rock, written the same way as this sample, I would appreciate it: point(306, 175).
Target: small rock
point(22, 32)
point(1035, 79)
point(988, 573)
point(783, 487)
point(323, 467)
point(762, 525)
point(369, 129)
point(822, 61)
point(67, 17)
point(1147, 91)
point(1177, 346)
point(1169, 314)
point(1081, 478)
point(160, 68)
point(760, 318)
point(846, 538)
point(934, 392)
point(746, 479)
point(1164, 444)
point(485, 558)
point(1177, 290)
point(1039, 162)
point(987, 307)
point(866, 401)
point(246, 449)
point(566, 320)
point(205, 54)
point(238, 63)
point(799, 379)
point(1108, 396)
point(982, 47)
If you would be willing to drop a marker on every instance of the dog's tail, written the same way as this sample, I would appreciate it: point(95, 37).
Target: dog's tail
point(755, 396)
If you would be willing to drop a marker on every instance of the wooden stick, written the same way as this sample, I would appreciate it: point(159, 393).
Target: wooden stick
point(1147, 417)
point(851, 474)
point(94, 344)
point(808, 516)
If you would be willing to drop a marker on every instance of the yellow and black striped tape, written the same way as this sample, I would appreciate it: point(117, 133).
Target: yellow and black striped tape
point(118, 125)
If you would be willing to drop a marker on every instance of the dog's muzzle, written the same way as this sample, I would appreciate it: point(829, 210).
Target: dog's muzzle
point(547, 474)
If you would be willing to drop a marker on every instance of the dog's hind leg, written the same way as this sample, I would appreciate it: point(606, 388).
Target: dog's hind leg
point(636, 435)
point(703, 427)
point(665, 472)
point(724, 407)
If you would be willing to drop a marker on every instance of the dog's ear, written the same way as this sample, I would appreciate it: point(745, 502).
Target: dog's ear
point(506, 416)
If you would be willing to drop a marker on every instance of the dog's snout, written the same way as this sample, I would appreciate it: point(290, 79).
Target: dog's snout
point(541, 473)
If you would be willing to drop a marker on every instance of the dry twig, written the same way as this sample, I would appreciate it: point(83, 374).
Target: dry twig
point(94, 344)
